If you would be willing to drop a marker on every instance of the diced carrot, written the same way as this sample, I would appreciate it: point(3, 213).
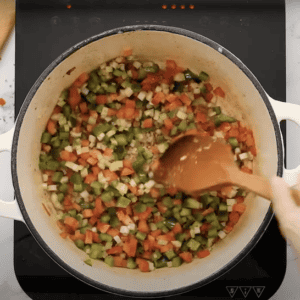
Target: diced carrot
point(147, 254)
point(88, 237)
point(240, 199)
point(161, 207)
point(121, 113)
point(154, 150)
point(77, 236)
point(60, 225)
point(219, 92)
point(158, 98)
point(233, 132)
point(127, 52)
point(234, 217)
point(83, 107)
point(226, 190)
point(171, 97)
point(84, 77)
point(111, 112)
point(68, 156)
point(203, 253)
point(74, 97)
point(77, 207)
point(2, 102)
point(253, 150)
point(173, 105)
point(208, 86)
point(143, 265)
point(185, 99)
point(154, 192)
point(96, 238)
point(207, 211)
point(85, 143)
point(186, 256)
point(191, 132)
point(172, 190)
point(99, 209)
point(177, 228)
point(96, 170)
point(147, 123)
point(127, 164)
point(111, 203)
point(130, 246)
point(108, 152)
point(239, 207)
point(115, 250)
point(129, 210)
point(208, 96)
point(177, 202)
point(143, 226)
point(145, 215)
point(85, 155)
point(168, 123)
point(246, 170)
point(133, 189)
point(126, 172)
point(155, 233)
point(90, 178)
point(102, 227)
point(93, 220)
point(129, 113)
point(166, 248)
point(205, 227)
point(118, 261)
point(225, 126)
point(64, 235)
point(87, 213)
point(228, 228)
point(124, 218)
point(113, 232)
point(129, 103)
point(110, 175)
point(101, 99)
point(155, 165)
point(72, 222)
point(51, 127)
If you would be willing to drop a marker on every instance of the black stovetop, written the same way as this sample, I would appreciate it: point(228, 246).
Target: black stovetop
point(253, 30)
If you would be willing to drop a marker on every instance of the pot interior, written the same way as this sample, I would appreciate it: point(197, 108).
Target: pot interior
point(243, 101)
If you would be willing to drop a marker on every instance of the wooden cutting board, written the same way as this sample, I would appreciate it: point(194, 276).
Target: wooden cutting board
point(7, 20)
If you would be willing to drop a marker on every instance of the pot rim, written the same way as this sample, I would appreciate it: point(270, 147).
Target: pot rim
point(26, 104)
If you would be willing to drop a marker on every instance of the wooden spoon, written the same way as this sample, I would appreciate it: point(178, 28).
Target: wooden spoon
point(194, 163)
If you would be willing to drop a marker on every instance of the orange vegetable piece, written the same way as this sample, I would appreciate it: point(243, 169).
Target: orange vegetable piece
point(96, 170)
point(51, 127)
point(144, 215)
point(239, 207)
point(90, 177)
point(74, 97)
point(166, 248)
point(208, 97)
point(158, 98)
point(124, 218)
point(115, 250)
point(129, 103)
point(126, 172)
point(84, 77)
point(234, 217)
point(83, 107)
point(2, 102)
point(177, 228)
point(219, 92)
point(108, 152)
point(88, 237)
point(129, 113)
point(203, 253)
point(143, 226)
point(185, 99)
point(154, 192)
point(127, 52)
point(113, 232)
point(119, 261)
point(148, 123)
point(64, 235)
point(93, 220)
point(168, 123)
point(208, 86)
point(72, 222)
point(101, 99)
point(186, 256)
point(87, 213)
point(207, 211)
point(130, 246)
point(99, 209)
point(226, 127)
point(110, 175)
point(143, 265)
point(102, 227)
point(68, 156)
point(246, 170)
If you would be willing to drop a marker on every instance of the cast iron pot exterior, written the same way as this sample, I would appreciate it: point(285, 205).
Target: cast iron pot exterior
point(45, 233)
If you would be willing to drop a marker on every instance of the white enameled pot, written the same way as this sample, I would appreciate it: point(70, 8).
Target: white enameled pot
point(246, 100)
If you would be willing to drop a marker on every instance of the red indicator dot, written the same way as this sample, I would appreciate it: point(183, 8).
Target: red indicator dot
point(69, 6)
point(173, 6)
point(192, 6)
point(182, 6)
point(164, 6)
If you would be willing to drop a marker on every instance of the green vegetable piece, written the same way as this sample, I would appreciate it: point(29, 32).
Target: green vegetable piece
point(123, 202)
point(131, 264)
point(217, 109)
point(180, 237)
point(198, 217)
point(79, 244)
point(136, 87)
point(109, 260)
point(64, 95)
point(138, 163)
point(223, 207)
point(121, 139)
point(78, 188)
point(57, 176)
point(176, 262)
point(219, 119)
point(63, 188)
point(168, 201)
point(184, 246)
point(141, 235)
point(114, 221)
point(189, 75)
point(170, 254)
point(101, 128)
point(203, 76)
point(72, 213)
point(64, 135)
point(156, 255)
point(46, 137)
point(191, 203)
point(173, 131)
point(160, 263)
point(212, 233)
point(233, 142)
point(142, 73)
point(223, 216)
point(193, 244)
point(76, 178)
point(206, 199)
point(198, 101)
point(67, 110)
point(182, 126)
point(107, 196)
point(105, 218)
point(185, 212)
point(140, 207)
point(60, 197)
point(89, 262)
point(105, 237)
point(191, 126)
point(211, 217)
point(117, 73)
point(202, 240)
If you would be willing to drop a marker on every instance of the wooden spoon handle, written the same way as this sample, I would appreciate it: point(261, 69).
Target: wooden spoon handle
point(259, 185)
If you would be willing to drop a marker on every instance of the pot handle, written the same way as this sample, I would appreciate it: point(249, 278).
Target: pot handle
point(9, 209)
point(288, 111)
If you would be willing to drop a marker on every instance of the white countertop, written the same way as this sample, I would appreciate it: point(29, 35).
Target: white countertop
point(9, 287)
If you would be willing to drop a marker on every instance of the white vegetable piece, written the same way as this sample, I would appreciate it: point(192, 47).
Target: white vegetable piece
point(142, 95)
point(116, 165)
point(122, 188)
point(169, 264)
point(151, 266)
point(177, 244)
point(52, 188)
point(131, 226)
point(181, 115)
point(124, 230)
point(137, 64)
point(179, 77)
point(231, 201)
point(222, 234)
point(128, 91)
point(117, 239)
point(243, 156)
point(64, 179)
point(45, 177)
